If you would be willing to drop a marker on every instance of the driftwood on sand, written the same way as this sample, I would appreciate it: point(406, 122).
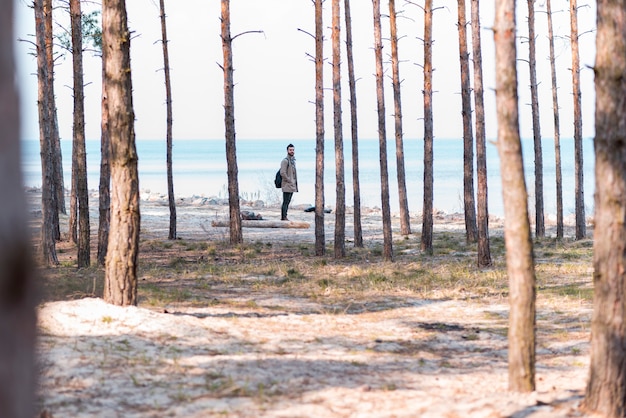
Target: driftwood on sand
point(263, 224)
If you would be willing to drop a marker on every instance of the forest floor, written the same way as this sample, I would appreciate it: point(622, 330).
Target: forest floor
point(268, 329)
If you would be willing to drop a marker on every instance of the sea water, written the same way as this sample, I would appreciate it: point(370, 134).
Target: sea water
point(199, 169)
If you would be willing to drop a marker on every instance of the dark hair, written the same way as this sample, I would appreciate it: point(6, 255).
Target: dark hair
point(290, 145)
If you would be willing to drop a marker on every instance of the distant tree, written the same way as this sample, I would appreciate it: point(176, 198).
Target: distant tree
point(557, 128)
point(382, 136)
point(469, 204)
point(236, 235)
point(168, 101)
point(540, 229)
point(104, 185)
point(484, 253)
point(356, 188)
point(405, 218)
point(320, 238)
point(17, 273)
point(518, 242)
point(606, 387)
point(340, 207)
point(581, 227)
point(79, 154)
point(120, 282)
point(48, 203)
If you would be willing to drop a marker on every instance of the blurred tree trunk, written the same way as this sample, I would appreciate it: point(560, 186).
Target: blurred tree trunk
point(17, 274)
point(120, 285)
point(320, 239)
point(427, 211)
point(540, 229)
point(356, 188)
point(606, 387)
point(469, 204)
point(236, 235)
point(557, 128)
point(581, 227)
point(340, 207)
point(104, 191)
point(405, 218)
point(484, 253)
point(168, 102)
point(382, 136)
point(79, 154)
point(48, 204)
point(519, 250)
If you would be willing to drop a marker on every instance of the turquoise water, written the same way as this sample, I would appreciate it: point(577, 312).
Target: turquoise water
point(200, 170)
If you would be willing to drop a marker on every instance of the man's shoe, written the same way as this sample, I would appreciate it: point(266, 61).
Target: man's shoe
point(284, 219)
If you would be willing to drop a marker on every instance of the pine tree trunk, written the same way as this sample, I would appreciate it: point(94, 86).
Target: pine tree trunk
point(356, 189)
point(427, 211)
point(236, 234)
point(168, 101)
point(519, 251)
point(581, 228)
point(606, 387)
point(79, 154)
point(484, 253)
point(382, 136)
point(120, 285)
point(320, 239)
point(469, 204)
point(405, 218)
point(540, 229)
point(48, 206)
point(340, 207)
point(17, 274)
point(104, 192)
point(557, 128)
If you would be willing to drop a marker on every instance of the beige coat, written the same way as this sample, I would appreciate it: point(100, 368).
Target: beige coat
point(289, 175)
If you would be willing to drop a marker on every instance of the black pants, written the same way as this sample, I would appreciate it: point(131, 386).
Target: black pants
point(286, 200)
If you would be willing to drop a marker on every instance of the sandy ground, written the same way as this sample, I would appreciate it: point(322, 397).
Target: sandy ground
point(284, 357)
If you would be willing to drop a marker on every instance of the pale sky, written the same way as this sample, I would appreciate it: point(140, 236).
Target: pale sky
point(274, 77)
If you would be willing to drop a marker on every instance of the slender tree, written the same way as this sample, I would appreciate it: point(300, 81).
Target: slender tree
point(79, 154)
point(427, 211)
point(606, 386)
point(405, 218)
point(48, 205)
point(340, 207)
point(120, 282)
point(469, 204)
point(382, 135)
point(17, 274)
point(356, 188)
point(557, 128)
point(518, 242)
point(581, 228)
point(236, 235)
point(540, 229)
point(168, 103)
point(484, 253)
point(104, 185)
point(320, 238)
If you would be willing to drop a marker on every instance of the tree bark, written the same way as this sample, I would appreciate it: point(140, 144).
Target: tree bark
point(168, 102)
point(356, 188)
point(382, 136)
point(340, 207)
point(120, 285)
point(427, 211)
point(405, 218)
point(79, 154)
point(17, 274)
point(519, 251)
point(469, 204)
point(104, 186)
point(557, 128)
point(606, 387)
point(320, 238)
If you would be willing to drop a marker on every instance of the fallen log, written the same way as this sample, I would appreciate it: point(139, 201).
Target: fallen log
point(264, 224)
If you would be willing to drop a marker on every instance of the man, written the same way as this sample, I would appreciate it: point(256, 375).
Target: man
point(290, 180)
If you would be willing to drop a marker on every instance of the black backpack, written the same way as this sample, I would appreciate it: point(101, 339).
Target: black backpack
point(278, 181)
